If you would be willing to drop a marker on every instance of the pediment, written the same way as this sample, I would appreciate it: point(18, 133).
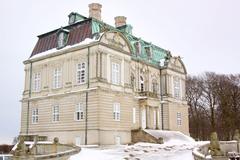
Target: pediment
point(116, 40)
point(176, 64)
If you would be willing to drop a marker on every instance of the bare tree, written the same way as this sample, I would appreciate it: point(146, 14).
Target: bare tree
point(214, 101)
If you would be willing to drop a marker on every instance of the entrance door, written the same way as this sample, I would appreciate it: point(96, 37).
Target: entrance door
point(117, 140)
point(143, 118)
point(78, 141)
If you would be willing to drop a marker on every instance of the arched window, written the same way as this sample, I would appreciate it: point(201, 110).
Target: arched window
point(141, 84)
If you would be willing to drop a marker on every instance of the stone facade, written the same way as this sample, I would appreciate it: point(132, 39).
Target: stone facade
point(145, 93)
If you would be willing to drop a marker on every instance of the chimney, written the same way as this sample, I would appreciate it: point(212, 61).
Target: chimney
point(95, 10)
point(120, 21)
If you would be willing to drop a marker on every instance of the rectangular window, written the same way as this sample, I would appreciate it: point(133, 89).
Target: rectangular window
point(35, 115)
point(176, 87)
point(155, 87)
point(57, 78)
point(115, 73)
point(79, 112)
point(36, 82)
point(179, 119)
point(116, 111)
point(55, 113)
point(134, 115)
point(81, 73)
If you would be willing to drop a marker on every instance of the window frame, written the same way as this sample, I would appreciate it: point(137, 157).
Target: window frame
point(36, 82)
point(179, 119)
point(176, 87)
point(155, 86)
point(35, 116)
point(62, 38)
point(116, 73)
point(116, 111)
point(57, 78)
point(55, 115)
point(149, 52)
point(79, 109)
point(138, 47)
point(81, 79)
point(141, 84)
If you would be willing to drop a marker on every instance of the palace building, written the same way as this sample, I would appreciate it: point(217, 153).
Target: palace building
point(92, 83)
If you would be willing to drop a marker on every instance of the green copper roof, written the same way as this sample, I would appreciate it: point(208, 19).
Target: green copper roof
point(153, 57)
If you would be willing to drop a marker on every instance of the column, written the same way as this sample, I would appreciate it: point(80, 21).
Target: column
point(147, 117)
point(157, 118)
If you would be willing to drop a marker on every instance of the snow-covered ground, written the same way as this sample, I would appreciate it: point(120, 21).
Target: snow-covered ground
point(176, 147)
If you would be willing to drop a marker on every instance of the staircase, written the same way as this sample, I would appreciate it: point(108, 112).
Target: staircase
point(159, 136)
point(140, 135)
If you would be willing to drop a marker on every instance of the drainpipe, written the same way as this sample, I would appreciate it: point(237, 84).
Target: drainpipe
point(29, 96)
point(161, 96)
point(86, 117)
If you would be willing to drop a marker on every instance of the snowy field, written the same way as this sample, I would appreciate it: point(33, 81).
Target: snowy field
point(176, 147)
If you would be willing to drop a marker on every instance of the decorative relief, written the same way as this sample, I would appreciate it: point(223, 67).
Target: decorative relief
point(116, 40)
point(176, 64)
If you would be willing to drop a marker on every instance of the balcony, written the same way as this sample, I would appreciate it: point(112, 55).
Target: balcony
point(148, 94)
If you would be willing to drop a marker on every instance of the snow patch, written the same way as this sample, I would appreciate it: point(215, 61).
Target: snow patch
point(177, 146)
point(169, 137)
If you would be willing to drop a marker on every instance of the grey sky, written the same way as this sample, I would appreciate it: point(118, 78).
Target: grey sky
point(206, 33)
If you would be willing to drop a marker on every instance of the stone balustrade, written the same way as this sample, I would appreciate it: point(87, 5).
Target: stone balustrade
point(202, 152)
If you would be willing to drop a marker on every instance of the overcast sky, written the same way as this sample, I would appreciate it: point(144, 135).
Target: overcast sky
point(205, 33)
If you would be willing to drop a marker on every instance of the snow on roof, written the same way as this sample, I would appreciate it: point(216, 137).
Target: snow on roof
point(54, 50)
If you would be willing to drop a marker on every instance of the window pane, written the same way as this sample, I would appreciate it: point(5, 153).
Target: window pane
point(176, 85)
point(115, 73)
point(56, 113)
point(81, 73)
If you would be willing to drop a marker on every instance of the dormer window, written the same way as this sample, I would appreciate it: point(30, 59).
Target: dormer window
point(148, 51)
point(75, 17)
point(62, 37)
point(138, 47)
point(71, 19)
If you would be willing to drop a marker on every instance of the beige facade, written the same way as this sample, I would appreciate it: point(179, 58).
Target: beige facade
point(137, 94)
